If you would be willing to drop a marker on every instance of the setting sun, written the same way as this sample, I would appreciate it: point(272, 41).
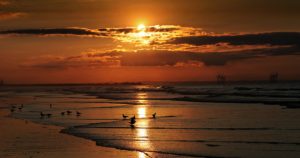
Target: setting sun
point(141, 27)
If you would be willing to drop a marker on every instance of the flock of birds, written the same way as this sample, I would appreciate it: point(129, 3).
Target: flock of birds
point(42, 114)
point(68, 112)
point(14, 108)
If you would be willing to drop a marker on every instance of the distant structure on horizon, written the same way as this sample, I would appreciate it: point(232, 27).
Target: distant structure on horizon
point(274, 77)
point(221, 79)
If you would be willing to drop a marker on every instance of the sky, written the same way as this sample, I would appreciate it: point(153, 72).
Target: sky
point(95, 41)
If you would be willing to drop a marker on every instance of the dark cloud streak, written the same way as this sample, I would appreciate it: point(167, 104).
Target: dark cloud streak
point(274, 38)
point(55, 31)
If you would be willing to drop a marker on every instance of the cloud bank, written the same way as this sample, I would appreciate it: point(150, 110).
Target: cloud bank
point(168, 46)
point(157, 58)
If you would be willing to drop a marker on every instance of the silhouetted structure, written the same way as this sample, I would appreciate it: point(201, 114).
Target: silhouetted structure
point(221, 79)
point(274, 77)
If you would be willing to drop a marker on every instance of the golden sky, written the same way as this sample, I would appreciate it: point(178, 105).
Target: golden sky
point(84, 41)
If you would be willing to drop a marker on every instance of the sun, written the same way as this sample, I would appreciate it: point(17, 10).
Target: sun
point(141, 27)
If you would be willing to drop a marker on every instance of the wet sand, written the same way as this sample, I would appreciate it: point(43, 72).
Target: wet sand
point(24, 139)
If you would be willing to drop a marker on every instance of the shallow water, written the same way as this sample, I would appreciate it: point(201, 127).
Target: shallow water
point(182, 127)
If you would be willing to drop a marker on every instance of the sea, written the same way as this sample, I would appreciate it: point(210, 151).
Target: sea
point(193, 119)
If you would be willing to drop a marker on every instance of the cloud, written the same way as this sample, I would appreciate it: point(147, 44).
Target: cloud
point(172, 58)
point(56, 31)
point(156, 58)
point(11, 15)
point(60, 63)
point(148, 36)
point(85, 31)
point(4, 3)
point(273, 38)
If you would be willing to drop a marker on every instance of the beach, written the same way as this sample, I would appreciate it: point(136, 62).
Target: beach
point(192, 121)
point(24, 139)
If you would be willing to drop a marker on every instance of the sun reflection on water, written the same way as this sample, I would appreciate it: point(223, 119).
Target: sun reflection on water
point(142, 111)
point(142, 130)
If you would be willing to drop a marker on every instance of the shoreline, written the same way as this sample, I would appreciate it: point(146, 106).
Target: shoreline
point(26, 139)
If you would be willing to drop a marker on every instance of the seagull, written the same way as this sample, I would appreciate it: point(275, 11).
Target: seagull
point(78, 113)
point(69, 112)
point(132, 121)
point(154, 115)
point(42, 114)
point(124, 116)
point(133, 117)
point(20, 108)
point(62, 113)
point(12, 110)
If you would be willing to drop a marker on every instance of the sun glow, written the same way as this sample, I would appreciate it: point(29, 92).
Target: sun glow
point(144, 36)
point(141, 27)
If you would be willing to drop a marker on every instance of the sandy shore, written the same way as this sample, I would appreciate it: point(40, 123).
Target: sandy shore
point(23, 139)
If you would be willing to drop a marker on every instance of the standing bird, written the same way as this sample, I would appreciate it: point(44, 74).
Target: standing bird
point(12, 110)
point(42, 114)
point(50, 106)
point(69, 112)
point(154, 115)
point(124, 116)
point(20, 108)
point(62, 113)
point(13, 106)
point(78, 113)
point(132, 121)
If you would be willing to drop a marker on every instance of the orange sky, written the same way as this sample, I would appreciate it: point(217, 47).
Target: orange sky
point(92, 41)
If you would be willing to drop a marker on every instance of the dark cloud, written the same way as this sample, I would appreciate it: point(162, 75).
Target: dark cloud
point(55, 31)
point(170, 58)
point(87, 32)
point(274, 38)
point(159, 58)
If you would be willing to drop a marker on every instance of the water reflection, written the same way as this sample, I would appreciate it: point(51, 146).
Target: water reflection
point(142, 134)
point(142, 105)
point(142, 98)
point(142, 130)
point(142, 111)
